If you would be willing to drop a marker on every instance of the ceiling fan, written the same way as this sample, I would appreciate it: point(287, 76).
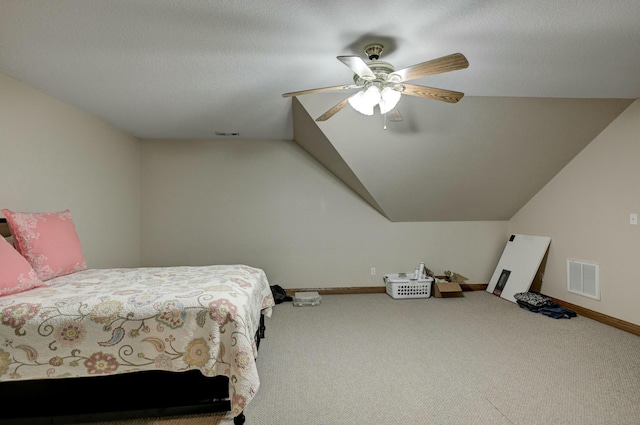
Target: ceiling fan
point(380, 84)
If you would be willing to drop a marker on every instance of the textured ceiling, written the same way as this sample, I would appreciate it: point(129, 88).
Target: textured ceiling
point(188, 69)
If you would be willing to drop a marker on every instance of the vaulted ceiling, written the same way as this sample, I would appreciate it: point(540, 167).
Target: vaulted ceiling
point(544, 79)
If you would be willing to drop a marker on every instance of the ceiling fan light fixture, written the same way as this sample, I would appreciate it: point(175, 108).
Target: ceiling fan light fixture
point(365, 100)
point(389, 98)
point(372, 96)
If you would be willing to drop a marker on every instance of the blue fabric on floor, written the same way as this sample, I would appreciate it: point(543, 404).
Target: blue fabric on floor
point(557, 312)
point(554, 310)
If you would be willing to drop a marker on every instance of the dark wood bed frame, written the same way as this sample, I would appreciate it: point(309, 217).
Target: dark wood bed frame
point(116, 397)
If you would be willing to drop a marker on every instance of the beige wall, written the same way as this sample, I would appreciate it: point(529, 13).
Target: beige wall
point(269, 204)
point(585, 210)
point(56, 157)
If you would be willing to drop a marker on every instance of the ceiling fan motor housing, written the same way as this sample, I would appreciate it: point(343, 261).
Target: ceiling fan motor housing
point(380, 69)
point(373, 51)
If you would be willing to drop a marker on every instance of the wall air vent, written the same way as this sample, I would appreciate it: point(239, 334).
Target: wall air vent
point(583, 278)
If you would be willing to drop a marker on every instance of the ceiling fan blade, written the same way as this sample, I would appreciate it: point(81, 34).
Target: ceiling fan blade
point(358, 66)
point(331, 112)
point(394, 115)
point(449, 96)
point(436, 66)
point(319, 90)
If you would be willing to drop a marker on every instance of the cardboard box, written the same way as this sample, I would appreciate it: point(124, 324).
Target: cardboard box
point(443, 289)
point(447, 290)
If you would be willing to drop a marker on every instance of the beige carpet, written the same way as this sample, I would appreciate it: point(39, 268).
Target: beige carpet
point(370, 359)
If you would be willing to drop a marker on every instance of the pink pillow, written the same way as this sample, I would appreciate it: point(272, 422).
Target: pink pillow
point(48, 241)
point(16, 275)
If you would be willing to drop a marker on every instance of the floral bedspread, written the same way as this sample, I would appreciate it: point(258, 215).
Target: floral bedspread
point(108, 321)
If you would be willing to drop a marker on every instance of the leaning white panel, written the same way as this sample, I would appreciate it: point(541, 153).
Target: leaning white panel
point(518, 265)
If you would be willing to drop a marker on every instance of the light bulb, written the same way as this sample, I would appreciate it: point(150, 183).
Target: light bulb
point(372, 96)
point(361, 103)
point(389, 99)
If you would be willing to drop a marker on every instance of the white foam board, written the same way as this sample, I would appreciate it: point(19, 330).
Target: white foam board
point(516, 270)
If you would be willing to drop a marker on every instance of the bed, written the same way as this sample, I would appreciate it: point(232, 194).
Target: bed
point(146, 326)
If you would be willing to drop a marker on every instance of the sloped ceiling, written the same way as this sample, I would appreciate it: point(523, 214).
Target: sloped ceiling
point(544, 78)
point(480, 159)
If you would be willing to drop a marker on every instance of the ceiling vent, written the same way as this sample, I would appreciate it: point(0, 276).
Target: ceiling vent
point(583, 278)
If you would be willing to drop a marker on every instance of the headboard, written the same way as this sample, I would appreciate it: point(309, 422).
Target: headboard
point(4, 228)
